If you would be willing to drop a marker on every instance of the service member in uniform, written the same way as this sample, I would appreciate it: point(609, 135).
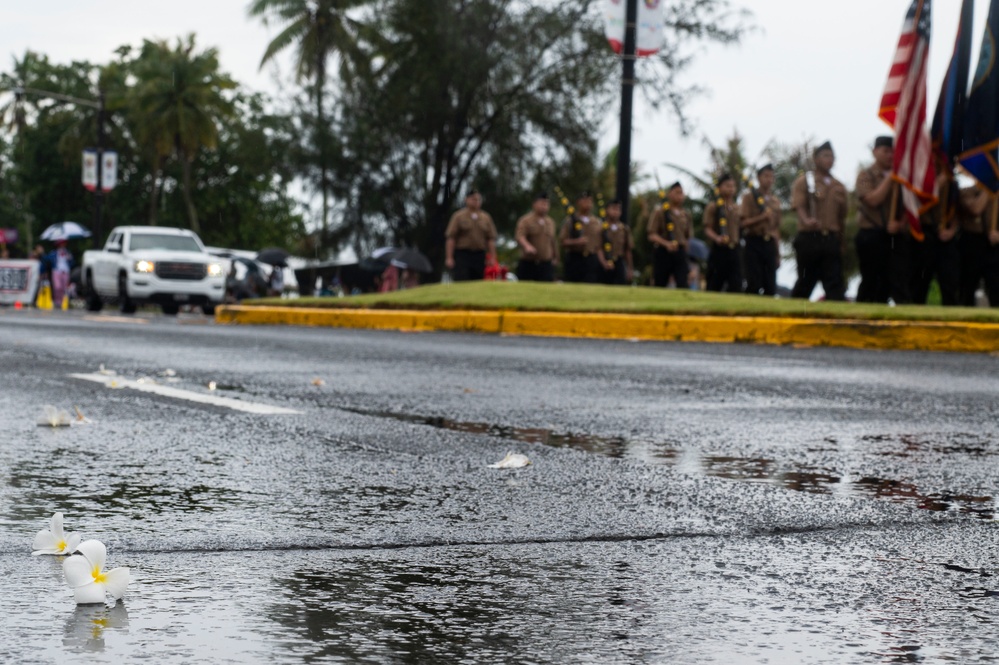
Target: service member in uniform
point(761, 213)
point(670, 230)
point(721, 226)
point(535, 234)
point(469, 239)
point(820, 201)
point(979, 246)
point(882, 242)
point(580, 239)
point(615, 253)
point(938, 254)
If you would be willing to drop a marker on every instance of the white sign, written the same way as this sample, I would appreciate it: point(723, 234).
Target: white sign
point(18, 281)
point(109, 170)
point(90, 169)
point(649, 29)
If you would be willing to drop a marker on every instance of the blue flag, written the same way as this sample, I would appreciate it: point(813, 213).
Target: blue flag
point(948, 121)
point(981, 120)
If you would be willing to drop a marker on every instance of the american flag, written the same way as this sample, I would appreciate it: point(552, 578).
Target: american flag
point(903, 107)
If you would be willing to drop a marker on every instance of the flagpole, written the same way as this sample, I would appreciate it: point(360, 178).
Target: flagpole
point(627, 97)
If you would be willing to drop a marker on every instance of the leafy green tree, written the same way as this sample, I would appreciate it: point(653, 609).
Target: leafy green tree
point(178, 102)
point(318, 30)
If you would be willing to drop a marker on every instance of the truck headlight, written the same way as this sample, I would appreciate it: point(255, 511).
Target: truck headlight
point(144, 266)
point(215, 270)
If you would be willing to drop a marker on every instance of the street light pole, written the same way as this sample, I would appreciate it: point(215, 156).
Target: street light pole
point(627, 97)
point(99, 191)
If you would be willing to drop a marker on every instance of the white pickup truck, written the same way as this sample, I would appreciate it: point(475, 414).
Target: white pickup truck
point(152, 264)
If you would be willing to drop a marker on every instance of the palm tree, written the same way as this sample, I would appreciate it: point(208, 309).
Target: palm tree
point(319, 30)
point(178, 102)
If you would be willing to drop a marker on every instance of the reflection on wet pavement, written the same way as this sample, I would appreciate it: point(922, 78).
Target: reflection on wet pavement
point(761, 470)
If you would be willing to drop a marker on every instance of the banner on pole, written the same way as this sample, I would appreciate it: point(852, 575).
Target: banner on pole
point(109, 170)
point(90, 169)
point(649, 30)
point(8, 236)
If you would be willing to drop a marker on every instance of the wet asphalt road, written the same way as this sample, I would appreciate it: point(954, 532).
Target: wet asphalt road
point(686, 503)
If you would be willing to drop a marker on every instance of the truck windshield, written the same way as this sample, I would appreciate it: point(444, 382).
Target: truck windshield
point(163, 241)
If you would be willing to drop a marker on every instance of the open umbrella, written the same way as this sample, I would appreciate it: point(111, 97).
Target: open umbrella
point(273, 256)
point(65, 231)
point(379, 260)
point(411, 259)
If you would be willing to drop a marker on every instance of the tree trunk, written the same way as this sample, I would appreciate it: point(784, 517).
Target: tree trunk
point(154, 194)
point(192, 212)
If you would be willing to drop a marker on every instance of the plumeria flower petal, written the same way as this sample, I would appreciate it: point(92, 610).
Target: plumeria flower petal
point(55, 540)
point(85, 574)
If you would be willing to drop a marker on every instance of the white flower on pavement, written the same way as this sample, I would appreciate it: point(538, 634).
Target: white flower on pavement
point(54, 540)
point(511, 461)
point(87, 578)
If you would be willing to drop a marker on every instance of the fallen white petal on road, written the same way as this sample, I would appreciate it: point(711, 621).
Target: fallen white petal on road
point(177, 393)
point(511, 461)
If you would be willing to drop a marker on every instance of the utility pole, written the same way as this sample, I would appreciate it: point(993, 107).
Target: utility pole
point(627, 97)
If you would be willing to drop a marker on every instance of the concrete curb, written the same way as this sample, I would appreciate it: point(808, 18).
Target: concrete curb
point(858, 334)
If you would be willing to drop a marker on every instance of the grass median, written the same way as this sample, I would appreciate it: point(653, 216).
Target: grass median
point(589, 298)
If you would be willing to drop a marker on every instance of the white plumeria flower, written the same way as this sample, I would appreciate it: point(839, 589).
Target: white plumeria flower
point(87, 578)
point(55, 540)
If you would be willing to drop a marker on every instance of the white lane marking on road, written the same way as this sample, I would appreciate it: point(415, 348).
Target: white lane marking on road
point(115, 319)
point(177, 393)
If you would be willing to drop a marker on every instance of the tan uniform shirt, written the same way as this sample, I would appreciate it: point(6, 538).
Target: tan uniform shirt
point(869, 217)
point(587, 227)
point(728, 217)
point(830, 202)
point(673, 225)
point(471, 231)
point(751, 207)
point(539, 232)
point(616, 239)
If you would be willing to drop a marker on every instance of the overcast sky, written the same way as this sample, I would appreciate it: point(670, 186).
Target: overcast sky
point(812, 70)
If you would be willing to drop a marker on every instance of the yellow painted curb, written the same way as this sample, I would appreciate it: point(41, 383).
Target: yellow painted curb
point(382, 319)
point(860, 334)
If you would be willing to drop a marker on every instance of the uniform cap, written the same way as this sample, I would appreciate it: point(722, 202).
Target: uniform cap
point(764, 168)
point(884, 142)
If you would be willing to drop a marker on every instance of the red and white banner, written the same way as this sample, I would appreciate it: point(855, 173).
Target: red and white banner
point(8, 236)
point(90, 169)
point(649, 29)
point(109, 170)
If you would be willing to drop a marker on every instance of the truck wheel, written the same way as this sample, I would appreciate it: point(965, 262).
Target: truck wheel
point(170, 309)
point(125, 304)
point(94, 302)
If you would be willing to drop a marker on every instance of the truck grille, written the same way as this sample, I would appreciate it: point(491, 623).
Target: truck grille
point(183, 271)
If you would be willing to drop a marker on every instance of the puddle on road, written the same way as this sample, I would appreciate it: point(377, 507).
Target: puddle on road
point(760, 470)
